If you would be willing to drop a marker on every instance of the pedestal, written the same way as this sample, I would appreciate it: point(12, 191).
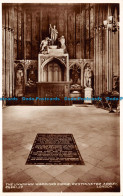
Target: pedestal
point(88, 95)
point(53, 93)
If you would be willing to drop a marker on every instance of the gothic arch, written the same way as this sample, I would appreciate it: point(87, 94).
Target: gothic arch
point(53, 69)
point(75, 63)
point(51, 59)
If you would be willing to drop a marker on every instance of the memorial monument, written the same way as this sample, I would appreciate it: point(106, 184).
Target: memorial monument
point(53, 68)
point(88, 84)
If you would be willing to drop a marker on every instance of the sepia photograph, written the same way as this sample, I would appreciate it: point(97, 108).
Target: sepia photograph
point(61, 97)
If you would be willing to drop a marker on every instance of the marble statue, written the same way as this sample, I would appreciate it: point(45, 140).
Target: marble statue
point(44, 44)
point(19, 77)
point(53, 33)
point(62, 42)
point(87, 77)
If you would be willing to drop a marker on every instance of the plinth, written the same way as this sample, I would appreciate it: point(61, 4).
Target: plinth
point(88, 95)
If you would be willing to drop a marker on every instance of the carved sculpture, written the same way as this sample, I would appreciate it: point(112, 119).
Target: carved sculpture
point(62, 42)
point(44, 44)
point(53, 42)
point(87, 76)
point(53, 33)
point(19, 77)
point(19, 80)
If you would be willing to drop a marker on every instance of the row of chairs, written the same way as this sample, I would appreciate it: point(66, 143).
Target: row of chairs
point(108, 104)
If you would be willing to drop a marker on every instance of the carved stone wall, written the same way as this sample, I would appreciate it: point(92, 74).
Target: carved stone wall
point(25, 25)
point(30, 75)
point(62, 63)
point(81, 63)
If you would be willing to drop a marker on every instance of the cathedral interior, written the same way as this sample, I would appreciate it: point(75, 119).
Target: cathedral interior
point(56, 55)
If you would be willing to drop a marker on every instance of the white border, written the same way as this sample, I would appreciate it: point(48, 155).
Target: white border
point(121, 94)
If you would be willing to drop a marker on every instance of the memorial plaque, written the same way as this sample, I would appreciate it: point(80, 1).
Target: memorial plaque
point(54, 149)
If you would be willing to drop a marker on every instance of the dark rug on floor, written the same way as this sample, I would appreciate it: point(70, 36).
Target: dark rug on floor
point(54, 149)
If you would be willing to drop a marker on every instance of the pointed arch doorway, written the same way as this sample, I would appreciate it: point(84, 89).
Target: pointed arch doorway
point(54, 71)
point(53, 79)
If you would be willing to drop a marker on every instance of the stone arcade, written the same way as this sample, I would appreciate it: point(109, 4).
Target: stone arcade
point(74, 59)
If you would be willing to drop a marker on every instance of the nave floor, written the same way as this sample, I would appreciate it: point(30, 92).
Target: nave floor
point(97, 134)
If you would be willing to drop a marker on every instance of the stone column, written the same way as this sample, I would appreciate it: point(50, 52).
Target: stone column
point(3, 61)
point(67, 67)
